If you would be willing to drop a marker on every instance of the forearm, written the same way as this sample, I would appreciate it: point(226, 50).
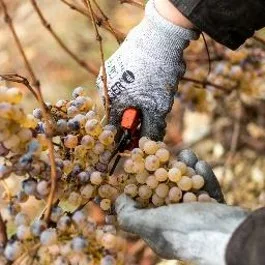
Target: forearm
point(167, 10)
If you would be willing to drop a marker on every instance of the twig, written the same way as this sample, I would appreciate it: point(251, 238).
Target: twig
point(47, 117)
point(106, 21)
point(3, 233)
point(120, 36)
point(7, 190)
point(15, 78)
point(206, 83)
point(88, 67)
point(133, 3)
point(104, 74)
point(259, 39)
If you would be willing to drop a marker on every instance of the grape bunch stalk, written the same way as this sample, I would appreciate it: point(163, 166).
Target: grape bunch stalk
point(83, 147)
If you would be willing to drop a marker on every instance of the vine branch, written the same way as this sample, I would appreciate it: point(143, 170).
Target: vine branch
point(101, 22)
point(104, 74)
point(206, 83)
point(36, 90)
point(3, 233)
point(88, 67)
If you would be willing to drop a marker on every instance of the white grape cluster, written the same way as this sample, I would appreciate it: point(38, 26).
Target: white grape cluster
point(73, 239)
point(154, 178)
point(82, 147)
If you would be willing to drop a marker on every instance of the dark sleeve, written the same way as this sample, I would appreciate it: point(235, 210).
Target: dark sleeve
point(247, 244)
point(229, 22)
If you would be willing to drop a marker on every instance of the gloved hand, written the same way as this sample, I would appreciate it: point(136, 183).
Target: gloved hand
point(145, 71)
point(197, 232)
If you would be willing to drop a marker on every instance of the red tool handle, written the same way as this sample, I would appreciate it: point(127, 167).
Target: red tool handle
point(130, 119)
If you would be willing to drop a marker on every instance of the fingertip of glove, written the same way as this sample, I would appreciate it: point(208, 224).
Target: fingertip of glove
point(212, 185)
point(188, 157)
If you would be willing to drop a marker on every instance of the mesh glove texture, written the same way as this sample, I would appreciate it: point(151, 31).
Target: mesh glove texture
point(145, 70)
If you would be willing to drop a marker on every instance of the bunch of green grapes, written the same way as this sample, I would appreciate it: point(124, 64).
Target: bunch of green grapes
point(82, 147)
point(154, 178)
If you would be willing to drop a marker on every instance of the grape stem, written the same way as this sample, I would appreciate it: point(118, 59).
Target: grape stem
point(101, 21)
point(90, 68)
point(3, 233)
point(88, 5)
point(35, 88)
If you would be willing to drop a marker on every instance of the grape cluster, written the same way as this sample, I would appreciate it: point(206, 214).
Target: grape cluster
point(82, 147)
point(154, 178)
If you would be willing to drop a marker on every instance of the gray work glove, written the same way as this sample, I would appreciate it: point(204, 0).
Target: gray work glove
point(196, 232)
point(145, 71)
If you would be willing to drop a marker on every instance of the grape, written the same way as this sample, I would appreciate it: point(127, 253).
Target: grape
point(79, 219)
point(79, 91)
point(48, 237)
point(204, 197)
point(181, 166)
point(98, 148)
point(174, 175)
point(139, 167)
point(88, 141)
point(30, 122)
point(109, 241)
point(25, 135)
point(175, 194)
point(12, 142)
point(142, 177)
point(152, 182)
point(64, 223)
point(37, 227)
point(92, 115)
point(79, 244)
point(13, 250)
point(189, 197)
point(22, 219)
point(108, 260)
point(137, 154)
point(163, 155)
point(131, 190)
point(129, 166)
point(142, 141)
point(70, 141)
point(43, 187)
point(162, 190)
point(190, 172)
point(87, 191)
point(37, 113)
point(14, 95)
point(105, 204)
point(152, 163)
point(96, 178)
point(106, 137)
point(157, 201)
point(93, 127)
point(29, 186)
point(145, 192)
point(23, 232)
point(161, 174)
point(185, 183)
point(150, 147)
point(197, 182)
point(61, 126)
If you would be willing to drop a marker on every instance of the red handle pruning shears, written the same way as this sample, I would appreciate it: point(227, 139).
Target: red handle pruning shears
point(130, 123)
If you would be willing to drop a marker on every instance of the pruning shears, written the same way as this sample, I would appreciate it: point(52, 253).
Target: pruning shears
point(130, 123)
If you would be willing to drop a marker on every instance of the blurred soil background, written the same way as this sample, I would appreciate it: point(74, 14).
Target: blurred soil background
point(222, 118)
